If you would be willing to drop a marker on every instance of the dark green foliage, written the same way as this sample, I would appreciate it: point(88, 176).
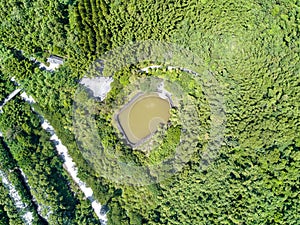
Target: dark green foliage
point(251, 187)
point(252, 50)
point(7, 208)
point(3, 216)
point(9, 166)
point(6, 87)
point(36, 156)
point(34, 26)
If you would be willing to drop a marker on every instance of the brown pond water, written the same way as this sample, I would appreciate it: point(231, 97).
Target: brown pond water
point(142, 115)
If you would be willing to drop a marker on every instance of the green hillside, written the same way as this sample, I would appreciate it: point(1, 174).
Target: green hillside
point(237, 122)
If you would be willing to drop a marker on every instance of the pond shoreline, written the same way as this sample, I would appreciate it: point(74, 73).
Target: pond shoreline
point(127, 105)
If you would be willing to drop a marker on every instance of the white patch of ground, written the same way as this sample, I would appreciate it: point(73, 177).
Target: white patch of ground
point(27, 98)
point(13, 193)
point(53, 64)
point(51, 67)
point(146, 69)
point(100, 86)
point(28, 217)
point(162, 92)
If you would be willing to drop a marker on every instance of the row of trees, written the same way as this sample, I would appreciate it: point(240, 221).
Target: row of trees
point(10, 167)
point(8, 211)
point(28, 147)
point(91, 17)
point(60, 201)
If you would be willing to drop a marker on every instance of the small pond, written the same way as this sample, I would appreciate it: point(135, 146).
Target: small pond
point(140, 118)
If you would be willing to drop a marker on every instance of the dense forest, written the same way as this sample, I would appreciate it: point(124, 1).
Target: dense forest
point(238, 118)
point(27, 146)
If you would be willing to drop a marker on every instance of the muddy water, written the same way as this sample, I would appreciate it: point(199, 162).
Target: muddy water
point(141, 117)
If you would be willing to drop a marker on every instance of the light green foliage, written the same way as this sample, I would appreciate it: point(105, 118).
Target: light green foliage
point(9, 166)
point(34, 26)
point(250, 47)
